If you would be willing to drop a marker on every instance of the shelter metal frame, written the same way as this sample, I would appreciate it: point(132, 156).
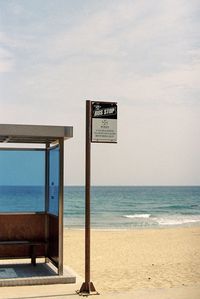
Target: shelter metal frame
point(50, 137)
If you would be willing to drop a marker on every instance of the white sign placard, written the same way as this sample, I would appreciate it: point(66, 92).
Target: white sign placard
point(104, 122)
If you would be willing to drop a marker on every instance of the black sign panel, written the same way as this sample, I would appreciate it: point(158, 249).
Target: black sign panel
point(104, 110)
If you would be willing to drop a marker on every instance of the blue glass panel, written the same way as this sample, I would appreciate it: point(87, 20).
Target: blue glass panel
point(54, 180)
point(22, 180)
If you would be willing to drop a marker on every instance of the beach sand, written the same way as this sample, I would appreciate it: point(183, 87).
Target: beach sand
point(131, 264)
point(134, 259)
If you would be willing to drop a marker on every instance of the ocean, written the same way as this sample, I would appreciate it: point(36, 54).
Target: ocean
point(114, 207)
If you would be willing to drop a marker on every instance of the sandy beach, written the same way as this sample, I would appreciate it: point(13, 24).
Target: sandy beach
point(135, 259)
point(131, 264)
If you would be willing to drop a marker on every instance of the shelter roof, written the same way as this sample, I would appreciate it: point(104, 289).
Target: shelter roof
point(11, 133)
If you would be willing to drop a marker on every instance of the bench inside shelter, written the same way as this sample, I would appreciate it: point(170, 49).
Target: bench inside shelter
point(30, 244)
point(23, 236)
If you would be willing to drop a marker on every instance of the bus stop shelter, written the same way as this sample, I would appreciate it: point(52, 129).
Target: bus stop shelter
point(31, 193)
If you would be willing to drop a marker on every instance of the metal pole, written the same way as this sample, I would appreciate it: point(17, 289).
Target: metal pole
point(87, 287)
point(60, 216)
point(47, 201)
point(47, 178)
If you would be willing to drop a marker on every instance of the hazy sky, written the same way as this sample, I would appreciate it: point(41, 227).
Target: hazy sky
point(145, 55)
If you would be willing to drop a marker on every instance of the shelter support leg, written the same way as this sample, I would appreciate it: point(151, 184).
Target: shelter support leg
point(33, 254)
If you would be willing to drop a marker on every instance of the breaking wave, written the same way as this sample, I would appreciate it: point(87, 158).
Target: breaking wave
point(162, 220)
point(177, 220)
point(137, 216)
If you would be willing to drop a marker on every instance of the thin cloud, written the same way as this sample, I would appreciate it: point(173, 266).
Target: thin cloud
point(144, 54)
point(6, 60)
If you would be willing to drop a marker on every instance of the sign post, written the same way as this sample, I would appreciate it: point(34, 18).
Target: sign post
point(101, 127)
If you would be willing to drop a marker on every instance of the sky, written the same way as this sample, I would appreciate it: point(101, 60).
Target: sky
point(145, 55)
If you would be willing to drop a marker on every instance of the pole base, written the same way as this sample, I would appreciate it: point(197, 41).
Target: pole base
point(87, 289)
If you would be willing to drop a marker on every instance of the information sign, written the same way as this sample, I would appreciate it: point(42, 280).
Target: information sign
point(104, 122)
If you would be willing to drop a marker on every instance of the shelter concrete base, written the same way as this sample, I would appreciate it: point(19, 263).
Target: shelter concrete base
point(24, 273)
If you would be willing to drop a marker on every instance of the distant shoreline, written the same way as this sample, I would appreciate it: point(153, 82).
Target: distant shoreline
point(111, 186)
point(110, 229)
